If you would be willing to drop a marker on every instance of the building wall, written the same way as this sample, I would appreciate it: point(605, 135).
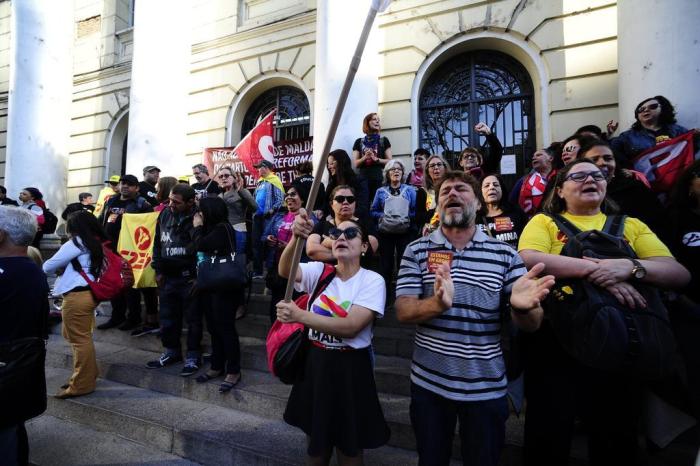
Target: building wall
point(241, 48)
point(5, 26)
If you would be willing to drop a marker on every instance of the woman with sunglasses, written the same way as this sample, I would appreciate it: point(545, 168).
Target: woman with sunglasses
point(436, 167)
point(277, 235)
point(238, 201)
point(473, 161)
point(655, 122)
point(394, 210)
point(319, 246)
point(340, 173)
point(336, 402)
point(558, 387)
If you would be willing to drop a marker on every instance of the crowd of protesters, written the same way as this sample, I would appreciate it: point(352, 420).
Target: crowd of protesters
point(450, 249)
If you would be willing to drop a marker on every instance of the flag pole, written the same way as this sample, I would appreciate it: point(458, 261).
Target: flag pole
point(342, 99)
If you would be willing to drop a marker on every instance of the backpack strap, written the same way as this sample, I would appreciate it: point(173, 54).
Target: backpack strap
point(615, 225)
point(565, 226)
point(79, 268)
point(324, 280)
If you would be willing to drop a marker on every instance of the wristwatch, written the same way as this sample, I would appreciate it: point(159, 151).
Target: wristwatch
point(638, 270)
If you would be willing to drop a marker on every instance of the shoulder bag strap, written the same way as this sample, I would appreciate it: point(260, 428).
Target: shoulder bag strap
point(227, 227)
point(326, 278)
point(565, 226)
point(615, 225)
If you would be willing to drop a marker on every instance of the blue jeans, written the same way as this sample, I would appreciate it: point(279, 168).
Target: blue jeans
point(241, 241)
point(482, 428)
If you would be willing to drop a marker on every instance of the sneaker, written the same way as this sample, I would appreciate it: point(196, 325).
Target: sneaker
point(165, 359)
point(128, 325)
point(145, 330)
point(110, 324)
point(258, 276)
point(191, 366)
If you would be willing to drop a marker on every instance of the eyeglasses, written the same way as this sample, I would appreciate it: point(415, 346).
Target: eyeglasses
point(436, 165)
point(396, 169)
point(350, 233)
point(224, 176)
point(341, 199)
point(571, 148)
point(469, 156)
point(291, 194)
point(644, 108)
point(580, 177)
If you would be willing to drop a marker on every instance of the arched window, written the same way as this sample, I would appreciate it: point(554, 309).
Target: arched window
point(293, 117)
point(478, 86)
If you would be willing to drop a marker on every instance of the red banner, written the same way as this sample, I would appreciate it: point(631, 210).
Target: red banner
point(285, 156)
point(663, 163)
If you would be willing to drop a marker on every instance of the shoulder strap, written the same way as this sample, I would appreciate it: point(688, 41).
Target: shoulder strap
point(324, 280)
point(79, 268)
point(615, 225)
point(565, 226)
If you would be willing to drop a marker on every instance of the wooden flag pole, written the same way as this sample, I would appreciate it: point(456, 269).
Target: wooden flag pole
point(342, 99)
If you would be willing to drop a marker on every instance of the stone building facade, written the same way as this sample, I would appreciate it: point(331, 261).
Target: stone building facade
point(152, 84)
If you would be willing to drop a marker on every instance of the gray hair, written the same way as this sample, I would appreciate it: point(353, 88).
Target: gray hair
point(202, 168)
point(391, 164)
point(19, 224)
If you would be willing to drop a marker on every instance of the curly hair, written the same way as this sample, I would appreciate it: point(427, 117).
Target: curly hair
point(666, 117)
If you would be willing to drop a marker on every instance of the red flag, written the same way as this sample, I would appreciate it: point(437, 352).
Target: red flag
point(663, 163)
point(258, 144)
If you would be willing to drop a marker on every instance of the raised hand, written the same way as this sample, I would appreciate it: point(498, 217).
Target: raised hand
point(529, 290)
point(302, 226)
point(482, 128)
point(612, 127)
point(444, 288)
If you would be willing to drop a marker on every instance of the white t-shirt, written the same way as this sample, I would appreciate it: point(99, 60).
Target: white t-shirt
point(365, 288)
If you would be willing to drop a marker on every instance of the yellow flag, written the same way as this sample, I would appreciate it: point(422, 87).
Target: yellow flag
point(136, 246)
point(105, 194)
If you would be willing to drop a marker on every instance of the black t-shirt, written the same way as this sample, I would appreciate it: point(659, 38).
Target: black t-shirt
point(209, 189)
point(686, 247)
point(148, 192)
point(373, 171)
point(7, 201)
point(115, 208)
point(506, 227)
point(24, 304)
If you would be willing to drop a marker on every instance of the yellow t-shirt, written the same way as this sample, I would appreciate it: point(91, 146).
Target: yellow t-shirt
point(541, 234)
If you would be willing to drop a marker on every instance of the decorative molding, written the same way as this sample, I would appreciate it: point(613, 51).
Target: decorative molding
point(301, 19)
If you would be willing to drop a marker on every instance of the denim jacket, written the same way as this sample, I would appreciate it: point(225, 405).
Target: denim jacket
point(407, 191)
point(632, 142)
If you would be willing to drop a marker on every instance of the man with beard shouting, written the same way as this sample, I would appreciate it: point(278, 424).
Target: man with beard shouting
point(453, 284)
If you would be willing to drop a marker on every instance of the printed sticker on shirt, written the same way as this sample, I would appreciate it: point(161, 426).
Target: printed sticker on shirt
point(503, 224)
point(330, 308)
point(435, 258)
point(112, 218)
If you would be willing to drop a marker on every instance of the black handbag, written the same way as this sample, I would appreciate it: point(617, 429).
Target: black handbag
point(223, 272)
point(22, 380)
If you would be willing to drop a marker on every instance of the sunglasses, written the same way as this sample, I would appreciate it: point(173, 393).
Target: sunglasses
point(571, 148)
point(224, 176)
point(436, 165)
point(644, 108)
point(341, 199)
point(350, 233)
point(580, 177)
point(290, 194)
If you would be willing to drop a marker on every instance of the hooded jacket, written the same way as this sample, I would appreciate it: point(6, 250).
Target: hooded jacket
point(174, 252)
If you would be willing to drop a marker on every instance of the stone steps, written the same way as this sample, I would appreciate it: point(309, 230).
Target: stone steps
point(202, 432)
point(95, 446)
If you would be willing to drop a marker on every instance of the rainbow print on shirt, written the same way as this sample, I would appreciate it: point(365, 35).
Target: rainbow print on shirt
point(330, 308)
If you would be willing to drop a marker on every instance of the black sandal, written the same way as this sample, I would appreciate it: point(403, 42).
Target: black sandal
point(203, 378)
point(226, 386)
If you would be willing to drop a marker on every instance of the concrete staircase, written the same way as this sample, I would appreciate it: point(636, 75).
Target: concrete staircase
point(174, 420)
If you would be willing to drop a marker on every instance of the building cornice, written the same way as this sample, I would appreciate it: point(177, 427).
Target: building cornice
point(300, 19)
point(104, 73)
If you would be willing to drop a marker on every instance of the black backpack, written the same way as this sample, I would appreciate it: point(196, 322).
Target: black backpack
point(50, 222)
point(593, 326)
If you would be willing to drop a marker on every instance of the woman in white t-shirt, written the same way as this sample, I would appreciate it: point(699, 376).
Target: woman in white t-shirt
point(336, 403)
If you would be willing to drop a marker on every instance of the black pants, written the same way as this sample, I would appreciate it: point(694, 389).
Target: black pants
point(220, 311)
point(14, 445)
point(482, 428)
point(128, 305)
point(257, 245)
point(391, 249)
point(176, 303)
point(558, 389)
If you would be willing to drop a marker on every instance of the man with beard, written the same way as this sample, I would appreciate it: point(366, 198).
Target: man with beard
point(205, 185)
point(147, 188)
point(453, 283)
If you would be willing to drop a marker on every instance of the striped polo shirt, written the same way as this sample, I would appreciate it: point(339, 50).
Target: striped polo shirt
point(458, 354)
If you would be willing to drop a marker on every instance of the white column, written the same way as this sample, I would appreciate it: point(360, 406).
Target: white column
point(41, 87)
point(657, 54)
point(160, 70)
point(338, 27)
